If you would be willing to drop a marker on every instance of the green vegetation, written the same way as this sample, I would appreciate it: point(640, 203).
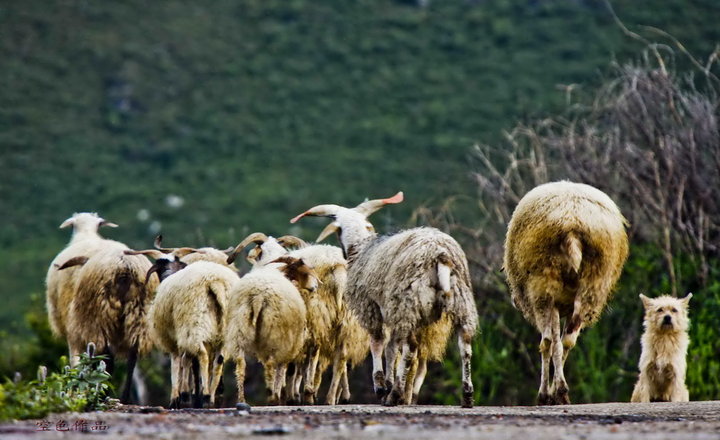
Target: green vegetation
point(83, 388)
point(252, 111)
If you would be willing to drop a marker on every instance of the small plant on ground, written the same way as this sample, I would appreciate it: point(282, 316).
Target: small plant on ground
point(83, 388)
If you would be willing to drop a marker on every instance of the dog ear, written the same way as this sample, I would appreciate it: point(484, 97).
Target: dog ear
point(645, 300)
point(686, 300)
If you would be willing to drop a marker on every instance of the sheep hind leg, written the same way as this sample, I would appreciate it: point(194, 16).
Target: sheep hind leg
point(391, 359)
point(410, 381)
point(465, 344)
point(407, 358)
point(561, 392)
point(174, 381)
point(544, 395)
point(377, 345)
point(240, 378)
point(334, 389)
point(419, 379)
point(344, 384)
point(216, 372)
point(132, 360)
point(312, 364)
point(278, 380)
point(572, 329)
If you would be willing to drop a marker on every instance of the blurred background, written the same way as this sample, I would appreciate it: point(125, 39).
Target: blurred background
point(205, 121)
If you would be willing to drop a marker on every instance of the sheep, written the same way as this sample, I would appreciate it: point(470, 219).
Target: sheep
point(60, 284)
point(110, 304)
point(266, 318)
point(324, 311)
point(400, 284)
point(334, 335)
point(565, 248)
point(186, 318)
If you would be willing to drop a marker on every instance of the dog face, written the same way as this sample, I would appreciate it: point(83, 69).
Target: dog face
point(666, 313)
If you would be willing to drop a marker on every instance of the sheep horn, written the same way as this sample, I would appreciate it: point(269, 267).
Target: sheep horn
point(181, 252)
point(75, 261)
point(158, 245)
point(370, 206)
point(329, 230)
point(153, 269)
point(291, 240)
point(255, 237)
point(152, 253)
point(319, 211)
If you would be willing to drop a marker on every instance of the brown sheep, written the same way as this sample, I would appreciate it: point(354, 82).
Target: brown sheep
point(565, 248)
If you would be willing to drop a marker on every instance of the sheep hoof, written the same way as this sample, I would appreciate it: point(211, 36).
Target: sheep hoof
point(242, 406)
point(174, 403)
point(414, 399)
point(562, 396)
point(545, 399)
point(206, 401)
point(393, 398)
point(309, 398)
point(344, 401)
point(293, 401)
point(197, 401)
point(184, 398)
point(468, 400)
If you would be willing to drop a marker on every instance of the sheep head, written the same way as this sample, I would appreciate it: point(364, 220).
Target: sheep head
point(266, 248)
point(298, 272)
point(167, 261)
point(86, 222)
point(351, 224)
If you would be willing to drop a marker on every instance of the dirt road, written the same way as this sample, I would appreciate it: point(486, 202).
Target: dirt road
point(693, 420)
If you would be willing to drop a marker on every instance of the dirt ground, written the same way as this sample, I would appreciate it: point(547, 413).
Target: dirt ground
point(692, 420)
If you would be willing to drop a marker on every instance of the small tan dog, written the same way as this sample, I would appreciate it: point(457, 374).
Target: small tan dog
point(664, 348)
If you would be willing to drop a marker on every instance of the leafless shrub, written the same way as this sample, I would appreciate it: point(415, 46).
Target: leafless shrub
point(649, 139)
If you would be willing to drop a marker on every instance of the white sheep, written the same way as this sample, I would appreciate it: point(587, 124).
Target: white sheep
point(110, 304)
point(61, 283)
point(266, 318)
point(565, 248)
point(187, 316)
point(400, 284)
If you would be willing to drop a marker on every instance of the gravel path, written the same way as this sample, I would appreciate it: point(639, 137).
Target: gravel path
point(693, 420)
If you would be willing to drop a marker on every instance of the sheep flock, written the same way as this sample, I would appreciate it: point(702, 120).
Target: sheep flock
point(304, 309)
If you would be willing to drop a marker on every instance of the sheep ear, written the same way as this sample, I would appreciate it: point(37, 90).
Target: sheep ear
point(108, 224)
point(67, 223)
point(75, 261)
point(329, 230)
point(645, 300)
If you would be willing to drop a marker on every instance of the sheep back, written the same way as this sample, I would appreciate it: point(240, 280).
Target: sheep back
point(266, 317)
point(111, 301)
point(537, 260)
point(207, 254)
point(399, 274)
point(189, 306)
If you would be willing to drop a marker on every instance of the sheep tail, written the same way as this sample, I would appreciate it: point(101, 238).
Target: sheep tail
point(444, 270)
point(215, 306)
point(572, 247)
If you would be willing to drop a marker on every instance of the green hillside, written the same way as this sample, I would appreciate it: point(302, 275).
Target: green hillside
point(252, 111)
